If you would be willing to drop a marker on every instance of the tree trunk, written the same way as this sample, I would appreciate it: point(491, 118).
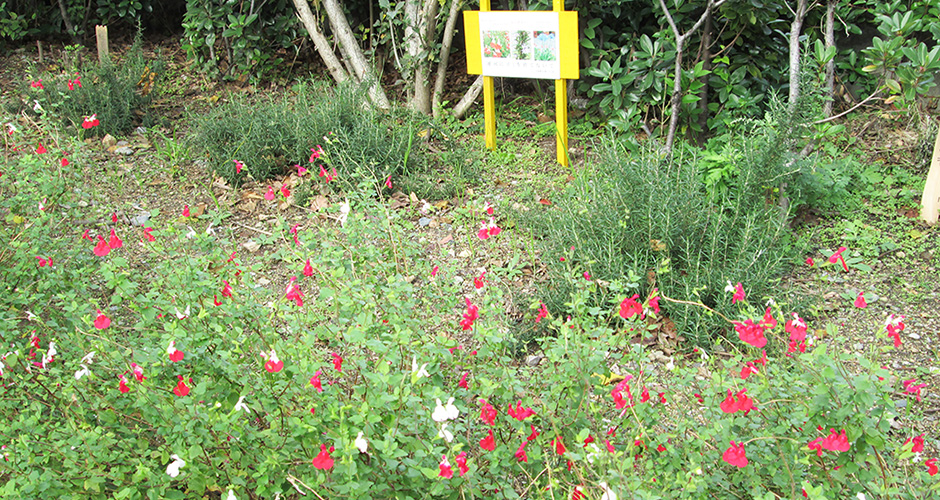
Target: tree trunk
point(467, 100)
point(930, 201)
point(795, 29)
point(831, 64)
point(681, 38)
point(356, 58)
point(333, 65)
point(705, 55)
point(420, 28)
point(444, 56)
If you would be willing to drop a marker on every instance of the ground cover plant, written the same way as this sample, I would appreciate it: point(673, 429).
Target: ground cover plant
point(348, 352)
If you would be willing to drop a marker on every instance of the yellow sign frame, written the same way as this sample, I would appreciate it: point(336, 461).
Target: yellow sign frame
point(568, 60)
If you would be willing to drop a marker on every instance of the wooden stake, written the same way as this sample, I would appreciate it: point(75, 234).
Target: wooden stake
point(39, 46)
point(101, 34)
point(930, 202)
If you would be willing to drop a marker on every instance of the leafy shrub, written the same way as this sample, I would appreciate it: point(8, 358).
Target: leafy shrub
point(361, 143)
point(118, 94)
point(694, 224)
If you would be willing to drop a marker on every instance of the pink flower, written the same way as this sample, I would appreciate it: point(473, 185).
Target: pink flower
point(270, 194)
point(488, 208)
point(272, 363)
point(479, 281)
point(740, 402)
point(185, 210)
point(654, 301)
point(215, 300)
point(559, 446)
point(463, 381)
point(37, 84)
point(122, 385)
point(520, 453)
point(533, 435)
point(489, 442)
point(630, 307)
point(520, 413)
point(461, 460)
point(308, 269)
point(796, 327)
point(64, 162)
point(238, 166)
point(226, 289)
point(138, 372)
point(932, 468)
point(750, 333)
point(115, 242)
point(315, 381)
point(285, 191)
point(911, 388)
point(738, 293)
point(76, 83)
point(327, 176)
point(294, 293)
point(90, 121)
point(434, 271)
point(323, 461)
point(293, 232)
point(895, 325)
point(810, 262)
point(918, 445)
point(617, 393)
point(488, 413)
point(469, 316)
point(147, 234)
point(837, 257)
point(388, 181)
point(610, 447)
point(43, 262)
point(337, 361)
point(181, 388)
point(542, 314)
point(175, 354)
point(489, 229)
point(102, 321)
point(41, 149)
point(446, 471)
point(768, 321)
point(833, 442)
point(748, 369)
point(315, 153)
point(102, 249)
point(860, 301)
point(735, 455)
point(587, 275)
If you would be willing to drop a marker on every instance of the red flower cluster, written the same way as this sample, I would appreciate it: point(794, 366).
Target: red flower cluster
point(738, 402)
point(833, 442)
point(469, 316)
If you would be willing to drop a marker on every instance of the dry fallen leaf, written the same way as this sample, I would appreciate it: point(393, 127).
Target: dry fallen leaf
point(318, 202)
point(251, 246)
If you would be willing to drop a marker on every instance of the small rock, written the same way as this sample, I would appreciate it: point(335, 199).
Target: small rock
point(914, 336)
point(82, 203)
point(251, 246)
point(424, 221)
point(140, 219)
point(124, 150)
point(533, 360)
point(858, 346)
point(464, 254)
point(108, 140)
point(264, 281)
point(140, 130)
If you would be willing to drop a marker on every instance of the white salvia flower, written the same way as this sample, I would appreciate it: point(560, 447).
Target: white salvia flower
point(240, 405)
point(608, 493)
point(593, 452)
point(49, 354)
point(698, 470)
point(344, 209)
point(361, 443)
point(172, 347)
point(418, 372)
point(231, 495)
point(729, 288)
point(444, 413)
point(770, 302)
point(182, 315)
point(88, 358)
point(30, 316)
point(37, 107)
point(445, 434)
point(173, 469)
point(79, 373)
point(861, 496)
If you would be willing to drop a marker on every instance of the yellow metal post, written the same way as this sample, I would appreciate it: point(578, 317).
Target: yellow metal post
point(489, 101)
point(561, 107)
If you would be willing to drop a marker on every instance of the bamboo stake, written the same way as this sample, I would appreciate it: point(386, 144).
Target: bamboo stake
point(101, 34)
point(930, 202)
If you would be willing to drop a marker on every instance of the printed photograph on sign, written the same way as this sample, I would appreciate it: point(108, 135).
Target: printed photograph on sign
point(520, 44)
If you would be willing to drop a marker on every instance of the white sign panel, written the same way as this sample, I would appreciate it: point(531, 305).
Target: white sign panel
point(520, 45)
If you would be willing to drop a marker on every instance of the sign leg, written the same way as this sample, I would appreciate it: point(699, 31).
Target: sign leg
point(489, 113)
point(561, 121)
